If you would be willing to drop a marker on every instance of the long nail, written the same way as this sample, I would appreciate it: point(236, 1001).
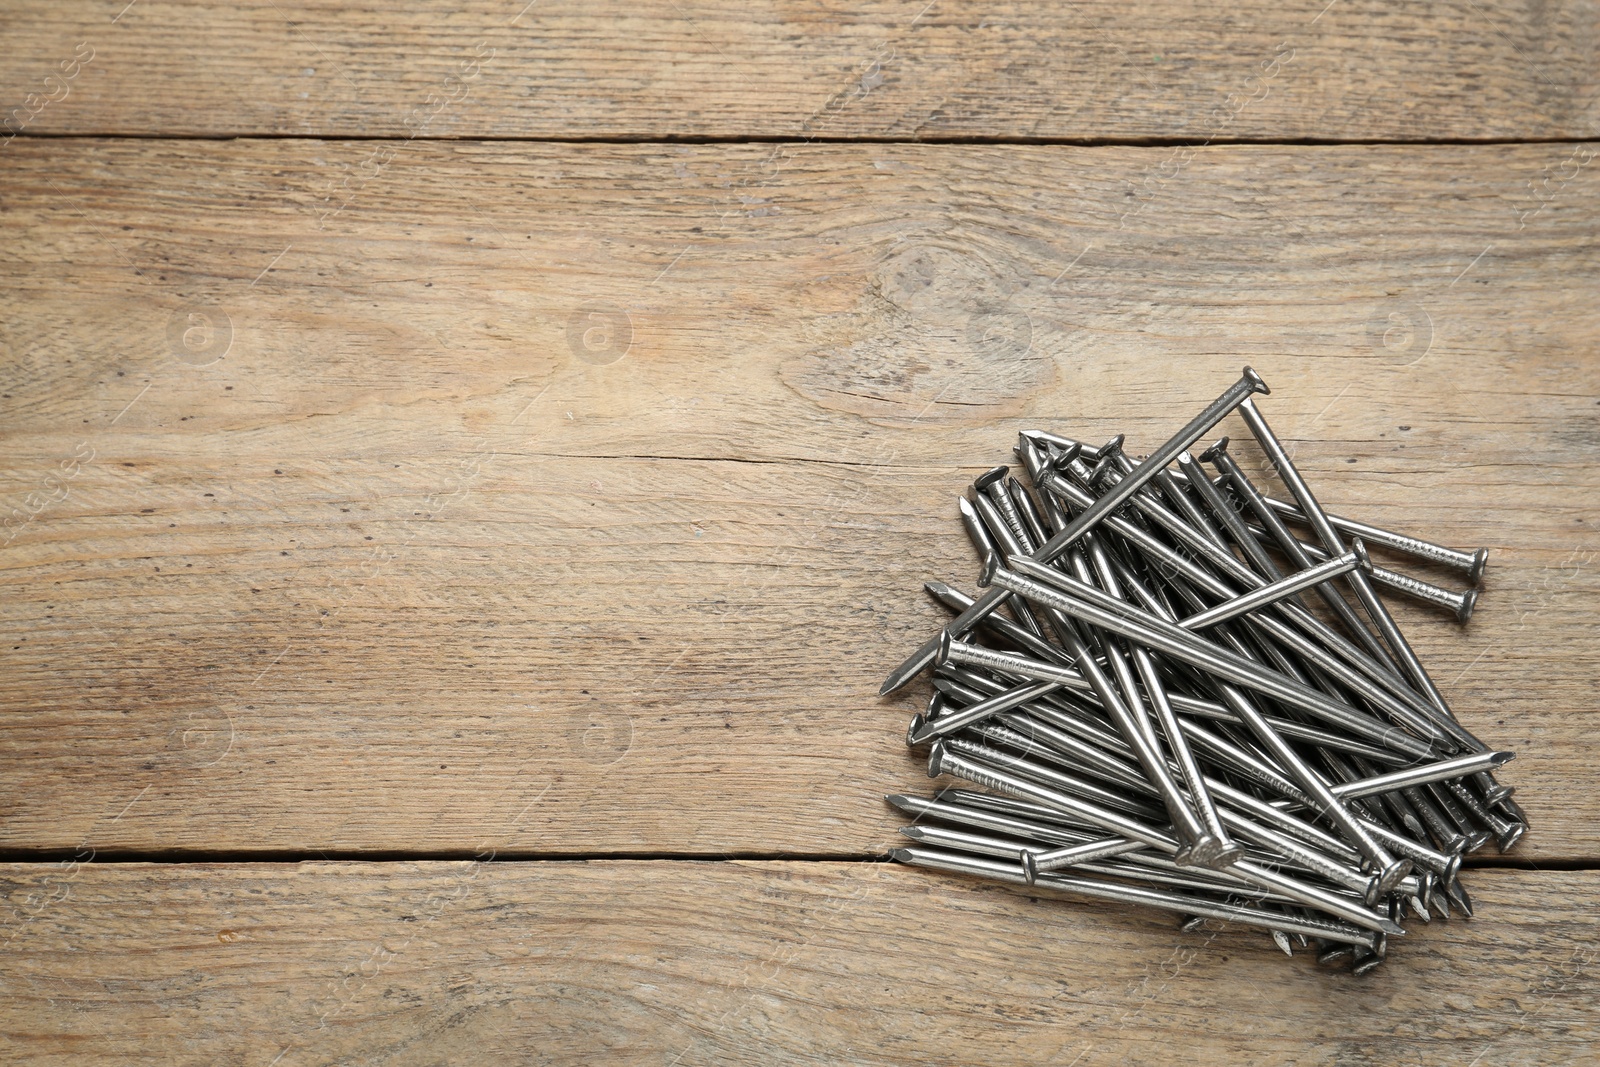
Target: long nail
point(1123, 618)
point(1330, 651)
point(988, 774)
point(1332, 541)
point(1182, 904)
point(951, 722)
point(1441, 771)
point(1102, 861)
point(1469, 563)
point(1087, 520)
point(1218, 456)
point(988, 818)
point(1097, 858)
point(1275, 591)
point(1459, 604)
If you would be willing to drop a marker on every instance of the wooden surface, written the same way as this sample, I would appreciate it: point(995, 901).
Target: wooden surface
point(372, 504)
point(899, 70)
point(713, 963)
point(443, 565)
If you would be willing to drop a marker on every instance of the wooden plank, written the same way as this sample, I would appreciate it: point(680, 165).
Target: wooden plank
point(411, 566)
point(699, 962)
point(895, 69)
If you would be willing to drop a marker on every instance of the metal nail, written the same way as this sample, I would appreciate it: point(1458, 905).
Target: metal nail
point(1275, 591)
point(1120, 617)
point(1219, 457)
point(994, 776)
point(1459, 604)
point(1333, 542)
point(1183, 904)
point(1471, 564)
point(1328, 650)
point(1086, 520)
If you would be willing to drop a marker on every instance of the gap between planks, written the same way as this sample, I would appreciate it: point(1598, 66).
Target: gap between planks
point(955, 140)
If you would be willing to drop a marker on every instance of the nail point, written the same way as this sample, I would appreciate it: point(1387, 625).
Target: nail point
point(914, 731)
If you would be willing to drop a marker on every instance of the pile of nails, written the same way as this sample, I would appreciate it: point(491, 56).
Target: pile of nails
point(1197, 700)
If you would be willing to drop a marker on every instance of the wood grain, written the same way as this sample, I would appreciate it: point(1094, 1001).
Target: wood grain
point(711, 963)
point(409, 565)
point(889, 69)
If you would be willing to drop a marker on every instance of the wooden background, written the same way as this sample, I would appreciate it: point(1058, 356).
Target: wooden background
point(466, 472)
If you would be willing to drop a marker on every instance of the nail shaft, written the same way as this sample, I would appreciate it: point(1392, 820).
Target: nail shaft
point(1086, 520)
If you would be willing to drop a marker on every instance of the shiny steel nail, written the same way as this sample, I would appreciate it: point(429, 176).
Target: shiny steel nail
point(1183, 904)
point(1218, 456)
point(992, 819)
point(953, 721)
point(1471, 564)
point(993, 775)
point(1121, 617)
point(1333, 542)
point(1090, 517)
point(1275, 591)
point(1441, 771)
point(1144, 866)
point(1329, 651)
point(1459, 604)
